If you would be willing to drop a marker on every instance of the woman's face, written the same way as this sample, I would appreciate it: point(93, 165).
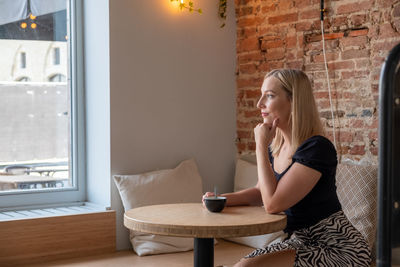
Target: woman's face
point(274, 102)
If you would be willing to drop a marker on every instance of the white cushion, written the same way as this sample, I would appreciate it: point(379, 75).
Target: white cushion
point(357, 192)
point(245, 177)
point(180, 185)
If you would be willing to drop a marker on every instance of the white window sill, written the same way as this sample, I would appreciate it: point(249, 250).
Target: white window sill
point(50, 211)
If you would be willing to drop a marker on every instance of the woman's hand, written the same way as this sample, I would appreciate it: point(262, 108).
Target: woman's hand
point(264, 133)
point(207, 194)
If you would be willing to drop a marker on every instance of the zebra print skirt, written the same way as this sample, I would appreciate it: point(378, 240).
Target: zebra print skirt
point(331, 242)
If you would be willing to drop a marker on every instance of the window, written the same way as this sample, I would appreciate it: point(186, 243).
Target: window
point(42, 138)
point(57, 78)
point(56, 56)
point(23, 60)
point(23, 79)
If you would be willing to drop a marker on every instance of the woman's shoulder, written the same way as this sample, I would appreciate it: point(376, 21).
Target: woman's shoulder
point(317, 141)
point(317, 146)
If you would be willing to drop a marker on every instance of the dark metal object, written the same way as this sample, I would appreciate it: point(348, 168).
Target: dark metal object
point(322, 9)
point(203, 252)
point(389, 159)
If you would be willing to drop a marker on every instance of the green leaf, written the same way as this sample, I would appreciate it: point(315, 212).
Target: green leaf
point(200, 11)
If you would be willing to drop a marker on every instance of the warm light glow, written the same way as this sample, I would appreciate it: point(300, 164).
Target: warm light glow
point(23, 25)
point(186, 5)
point(173, 6)
point(32, 17)
point(33, 25)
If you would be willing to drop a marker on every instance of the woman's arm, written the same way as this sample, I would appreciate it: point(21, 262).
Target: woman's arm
point(297, 182)
point(291, 188)
point(245, 197)
point(267, 183)
point(250, 196)
point(276, 197)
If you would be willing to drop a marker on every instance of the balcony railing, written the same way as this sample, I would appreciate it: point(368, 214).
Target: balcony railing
point(35, 175)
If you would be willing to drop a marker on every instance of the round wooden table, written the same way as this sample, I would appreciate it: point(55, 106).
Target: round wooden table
point(193, 220)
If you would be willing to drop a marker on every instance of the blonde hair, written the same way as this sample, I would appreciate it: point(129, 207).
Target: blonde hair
point(304, 119)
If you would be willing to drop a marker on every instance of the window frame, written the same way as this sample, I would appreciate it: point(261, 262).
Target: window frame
point(77, 193)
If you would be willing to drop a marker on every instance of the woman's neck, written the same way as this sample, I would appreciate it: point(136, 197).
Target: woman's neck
point(287, 140)
point(287, 136)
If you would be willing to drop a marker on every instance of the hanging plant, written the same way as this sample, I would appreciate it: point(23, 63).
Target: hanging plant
point(222, 11)
point(189, 6)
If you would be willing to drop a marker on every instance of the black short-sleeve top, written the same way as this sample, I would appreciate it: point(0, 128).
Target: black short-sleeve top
point(318, 153)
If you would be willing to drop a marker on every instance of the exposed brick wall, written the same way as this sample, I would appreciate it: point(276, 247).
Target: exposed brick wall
point(287, 34)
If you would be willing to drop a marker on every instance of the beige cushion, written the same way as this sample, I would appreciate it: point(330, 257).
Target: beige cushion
point(245, 177)
point(180, 185)
point(357, 192)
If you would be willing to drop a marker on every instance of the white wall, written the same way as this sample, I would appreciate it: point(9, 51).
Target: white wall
point(97, 99)
point(172, 92)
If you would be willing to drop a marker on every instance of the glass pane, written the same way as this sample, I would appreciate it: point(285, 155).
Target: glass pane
point(35, 96)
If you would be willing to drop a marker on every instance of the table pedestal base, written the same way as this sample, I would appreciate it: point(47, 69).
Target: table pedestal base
point(203, 252)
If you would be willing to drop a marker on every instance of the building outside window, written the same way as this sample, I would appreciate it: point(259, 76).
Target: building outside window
point(40, 126)
point(57, 78)
point(56, 56)
point(23, 60)
point(23, 79)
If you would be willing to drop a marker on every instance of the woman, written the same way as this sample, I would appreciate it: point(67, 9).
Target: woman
point(296, 174)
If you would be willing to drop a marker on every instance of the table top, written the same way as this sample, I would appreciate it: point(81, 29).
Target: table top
point(193, 220)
